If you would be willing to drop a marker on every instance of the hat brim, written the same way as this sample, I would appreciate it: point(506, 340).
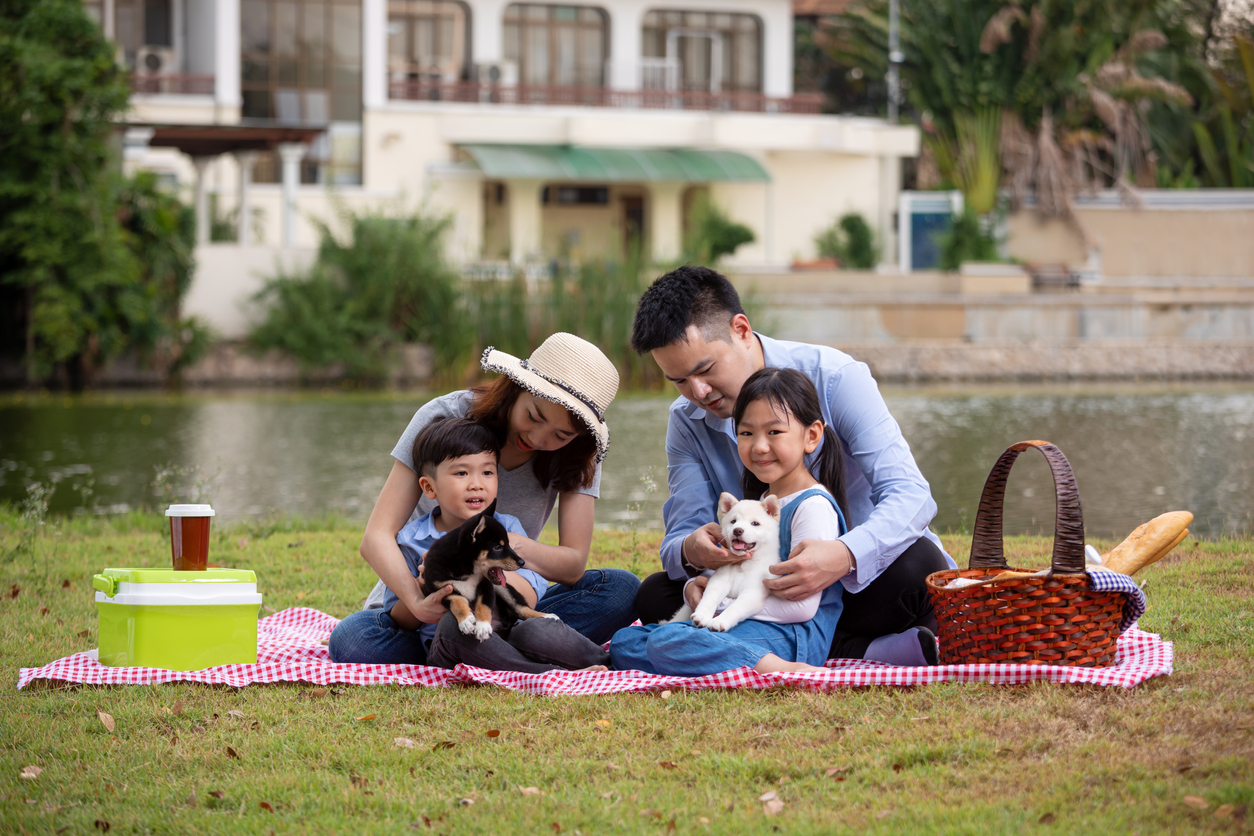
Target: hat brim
point(507, 364)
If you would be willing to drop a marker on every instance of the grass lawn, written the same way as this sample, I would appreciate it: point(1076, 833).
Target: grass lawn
point(1172, 755)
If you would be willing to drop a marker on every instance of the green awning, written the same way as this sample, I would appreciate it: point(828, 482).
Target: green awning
point(574, 163)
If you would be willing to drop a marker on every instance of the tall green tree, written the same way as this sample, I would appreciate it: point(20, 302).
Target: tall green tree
point(1071, 81)
point(62, 247)
point(95, 264)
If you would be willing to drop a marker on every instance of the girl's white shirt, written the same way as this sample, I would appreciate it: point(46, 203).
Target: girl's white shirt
point(815, 520)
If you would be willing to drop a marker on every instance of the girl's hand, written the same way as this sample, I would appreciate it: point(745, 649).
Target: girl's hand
point(811, 567)
point(694, 589)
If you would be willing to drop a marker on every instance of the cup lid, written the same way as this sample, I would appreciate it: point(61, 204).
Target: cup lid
point(189, 511)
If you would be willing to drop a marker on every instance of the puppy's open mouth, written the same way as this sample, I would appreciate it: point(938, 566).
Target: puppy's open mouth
point(497, 575)
point(740, 546)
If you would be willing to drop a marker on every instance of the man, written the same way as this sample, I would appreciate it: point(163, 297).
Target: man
point(693, 324)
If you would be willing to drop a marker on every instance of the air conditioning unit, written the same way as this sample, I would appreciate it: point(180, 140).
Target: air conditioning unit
point(497, 73)
point(156, 60)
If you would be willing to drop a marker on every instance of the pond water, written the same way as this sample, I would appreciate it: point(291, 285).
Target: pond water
point(1137, 451)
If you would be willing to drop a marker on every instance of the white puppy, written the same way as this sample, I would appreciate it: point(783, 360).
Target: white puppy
point(749, 528)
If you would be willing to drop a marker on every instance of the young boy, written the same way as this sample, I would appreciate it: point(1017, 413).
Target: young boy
point(456, 460)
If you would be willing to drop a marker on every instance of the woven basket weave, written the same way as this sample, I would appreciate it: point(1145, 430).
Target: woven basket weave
point(1052, 620)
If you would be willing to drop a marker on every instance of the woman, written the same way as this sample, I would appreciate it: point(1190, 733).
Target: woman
point(549, 413)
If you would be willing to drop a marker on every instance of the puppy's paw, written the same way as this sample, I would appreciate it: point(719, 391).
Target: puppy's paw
point(551, 615)
point(467, 625)
point(483, 629)
point(700, 621)
point(720, 624)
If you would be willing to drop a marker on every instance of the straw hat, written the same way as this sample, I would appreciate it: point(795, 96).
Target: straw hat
point(570, 372)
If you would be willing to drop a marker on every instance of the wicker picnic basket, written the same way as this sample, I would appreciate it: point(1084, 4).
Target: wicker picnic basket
point(1053, 620)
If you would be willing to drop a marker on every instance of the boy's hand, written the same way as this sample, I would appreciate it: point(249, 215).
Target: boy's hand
point(431, 609)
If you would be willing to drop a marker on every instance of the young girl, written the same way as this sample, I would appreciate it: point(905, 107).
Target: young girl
point(778, 424)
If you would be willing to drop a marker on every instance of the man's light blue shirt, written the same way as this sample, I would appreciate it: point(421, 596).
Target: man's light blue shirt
point(418, 535)
point(890, 503)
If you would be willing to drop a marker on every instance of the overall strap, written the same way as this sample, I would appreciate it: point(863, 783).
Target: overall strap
point(790, 510)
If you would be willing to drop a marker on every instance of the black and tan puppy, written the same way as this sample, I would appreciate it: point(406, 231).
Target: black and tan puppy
point(474, 558)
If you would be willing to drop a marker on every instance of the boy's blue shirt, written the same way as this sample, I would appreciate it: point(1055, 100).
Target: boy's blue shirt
point(416, 537)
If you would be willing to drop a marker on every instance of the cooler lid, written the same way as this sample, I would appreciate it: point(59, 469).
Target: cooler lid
point(108, 580)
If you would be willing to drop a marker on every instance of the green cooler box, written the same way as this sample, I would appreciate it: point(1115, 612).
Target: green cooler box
point(180, 621)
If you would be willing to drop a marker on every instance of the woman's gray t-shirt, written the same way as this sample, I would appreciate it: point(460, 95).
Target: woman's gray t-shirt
point(519, 493)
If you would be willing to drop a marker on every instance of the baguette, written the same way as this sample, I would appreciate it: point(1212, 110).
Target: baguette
point(1148, 543)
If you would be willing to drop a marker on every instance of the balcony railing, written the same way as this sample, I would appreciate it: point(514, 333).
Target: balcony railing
point(183, 85)
point(473, 91)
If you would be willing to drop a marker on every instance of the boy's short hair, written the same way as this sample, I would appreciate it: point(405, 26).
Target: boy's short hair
point(688, 295)
point(449, 437)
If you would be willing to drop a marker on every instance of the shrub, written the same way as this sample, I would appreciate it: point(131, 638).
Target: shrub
point(388, 284)
point(967, 240)
point(850, 241)
point(711, 234)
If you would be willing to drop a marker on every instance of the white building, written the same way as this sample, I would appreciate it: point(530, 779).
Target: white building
point(542, 129)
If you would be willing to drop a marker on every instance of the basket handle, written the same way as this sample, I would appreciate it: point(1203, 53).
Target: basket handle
point(986, 543)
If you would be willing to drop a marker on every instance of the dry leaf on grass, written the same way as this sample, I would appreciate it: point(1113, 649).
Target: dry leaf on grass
point(231, 752)
point(1196, 802)
point(317, 692)
point(703, 820)
point(493, 732)
point(668, 764)
point(773, 807)
point(1048, 818)
point(65, 584)
point(833, 771)
point(101, 825)
point(218, 794)
point(236, 713)
point(666, 695)
point(106, 720)
point(897, 767)
point(82, 634)
point(612, 765)
point(605, 724)
point(177, 708)
point(465, 802)
point(649, 811)
point(404, 742)
point(768, 796)
point(30, 773)
point(443, 744)
point(1224, 811)
point(530, 790)
point(557, 827)
point(365, 717)
point(192, 800)
point(265, 805)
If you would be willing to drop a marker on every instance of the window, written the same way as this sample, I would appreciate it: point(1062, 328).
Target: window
point(575, 195)
point(426, 40)
point(300, 63)
point(557, 46)
point(301, 60)
point(705, 51)
point(140, 23)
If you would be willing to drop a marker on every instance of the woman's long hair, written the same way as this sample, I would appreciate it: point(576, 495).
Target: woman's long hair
point(788, 390)
point(570, 467)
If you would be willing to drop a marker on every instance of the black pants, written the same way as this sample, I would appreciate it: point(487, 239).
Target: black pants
point(893, 603)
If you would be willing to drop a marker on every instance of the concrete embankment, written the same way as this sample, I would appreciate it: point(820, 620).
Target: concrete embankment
point(992, 325)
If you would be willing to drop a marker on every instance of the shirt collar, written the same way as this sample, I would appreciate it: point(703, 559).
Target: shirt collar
point(424, 527)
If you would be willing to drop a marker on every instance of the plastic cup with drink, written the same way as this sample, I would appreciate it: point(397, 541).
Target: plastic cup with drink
point(189, 536)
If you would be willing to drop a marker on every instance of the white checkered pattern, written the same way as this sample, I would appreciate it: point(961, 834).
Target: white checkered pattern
point(290, 649)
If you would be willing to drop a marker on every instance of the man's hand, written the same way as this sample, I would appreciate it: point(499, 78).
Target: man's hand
point(703, 548)
point(811, 567)
point(694, 589)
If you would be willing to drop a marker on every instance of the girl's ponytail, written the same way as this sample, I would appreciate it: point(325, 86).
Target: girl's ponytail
point(829, 465)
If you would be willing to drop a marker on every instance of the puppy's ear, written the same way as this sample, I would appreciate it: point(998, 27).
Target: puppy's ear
point(725, 503)
point(481, 524)
point(771, 504)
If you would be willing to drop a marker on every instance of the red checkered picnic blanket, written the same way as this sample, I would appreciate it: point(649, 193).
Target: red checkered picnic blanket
point(290, 648)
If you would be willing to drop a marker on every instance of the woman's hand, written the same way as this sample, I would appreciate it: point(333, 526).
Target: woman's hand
point(811, 567)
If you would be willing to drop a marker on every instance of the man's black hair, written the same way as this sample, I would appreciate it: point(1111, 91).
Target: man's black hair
point(688, 295)
point(449, 437)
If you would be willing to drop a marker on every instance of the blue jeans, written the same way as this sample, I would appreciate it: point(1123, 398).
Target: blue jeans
point(603, 601)
point(680, 649)
point(371, 637)
point(600, 604)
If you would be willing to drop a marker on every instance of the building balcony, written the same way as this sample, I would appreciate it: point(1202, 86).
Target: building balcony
point(437, 90)
point(172, 84)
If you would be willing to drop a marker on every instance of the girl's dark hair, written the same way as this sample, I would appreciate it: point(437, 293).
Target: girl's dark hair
point(567, 468)
point(449, 437)
point(791, 391)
